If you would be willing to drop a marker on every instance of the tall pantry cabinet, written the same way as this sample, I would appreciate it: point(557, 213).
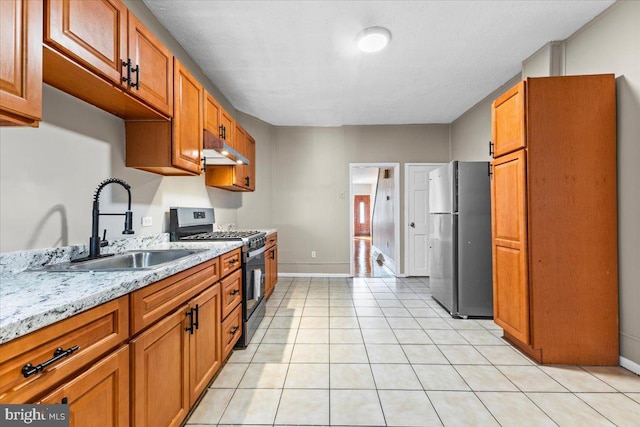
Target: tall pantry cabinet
point(554, 226)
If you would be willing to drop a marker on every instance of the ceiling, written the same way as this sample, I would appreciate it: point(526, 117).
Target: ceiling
point(295, 63)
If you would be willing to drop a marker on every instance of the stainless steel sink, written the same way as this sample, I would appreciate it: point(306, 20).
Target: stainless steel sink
point(128, 261)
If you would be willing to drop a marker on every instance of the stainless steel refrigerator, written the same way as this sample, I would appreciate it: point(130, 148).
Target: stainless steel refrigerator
point(460, 238)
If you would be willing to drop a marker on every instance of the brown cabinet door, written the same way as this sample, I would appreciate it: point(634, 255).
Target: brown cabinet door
point(187, 120)
point(509, 233)
point(212, 113)
point(153, 79)
point(251, 167)
point(227, 122)
point(205, 350)
point(160, 363)
point(271, 270)
point(508, 121)
point(21, 70)
point(93, 33)
point(240, 178)
point(98, 397)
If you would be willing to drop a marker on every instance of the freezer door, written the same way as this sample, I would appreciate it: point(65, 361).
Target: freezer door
point(442, 260)
point(441, 187)
point(475, 282)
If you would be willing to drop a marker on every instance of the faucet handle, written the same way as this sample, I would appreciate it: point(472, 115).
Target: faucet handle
point(104, 242)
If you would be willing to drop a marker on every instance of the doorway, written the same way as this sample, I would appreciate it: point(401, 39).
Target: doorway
point(417, 218)
point(374, 219)
point(362, 216)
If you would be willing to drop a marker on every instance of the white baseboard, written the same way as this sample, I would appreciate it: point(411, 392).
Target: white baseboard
point(630, 365)
point(313, 275)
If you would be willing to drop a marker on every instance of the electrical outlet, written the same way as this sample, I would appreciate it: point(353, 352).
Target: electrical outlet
point(313, 254)
point(147, 221)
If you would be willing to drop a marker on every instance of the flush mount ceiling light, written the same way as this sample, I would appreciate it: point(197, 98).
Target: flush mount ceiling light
point(373, 39)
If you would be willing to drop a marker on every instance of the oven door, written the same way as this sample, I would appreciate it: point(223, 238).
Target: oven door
point(254, 281)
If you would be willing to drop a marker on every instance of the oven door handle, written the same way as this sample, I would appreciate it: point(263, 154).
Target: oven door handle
point(256, 252)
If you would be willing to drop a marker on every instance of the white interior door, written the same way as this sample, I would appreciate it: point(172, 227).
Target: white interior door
point(417, 181)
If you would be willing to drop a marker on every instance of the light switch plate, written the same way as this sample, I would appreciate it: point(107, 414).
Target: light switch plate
point(147, 221)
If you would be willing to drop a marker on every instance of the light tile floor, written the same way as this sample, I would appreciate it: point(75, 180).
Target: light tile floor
point(382, 352)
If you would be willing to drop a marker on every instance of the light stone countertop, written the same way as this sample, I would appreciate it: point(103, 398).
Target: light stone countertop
point(32, 299)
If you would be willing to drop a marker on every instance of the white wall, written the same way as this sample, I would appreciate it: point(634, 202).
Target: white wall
point(311, 184)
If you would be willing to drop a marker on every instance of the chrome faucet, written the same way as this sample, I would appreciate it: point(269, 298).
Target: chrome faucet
point(95, 242)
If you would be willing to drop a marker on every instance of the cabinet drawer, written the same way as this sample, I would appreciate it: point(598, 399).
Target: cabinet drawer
point(95, 332)
point(230, 261)
point(231, 292)
point(272, 239)
point(231, 331)
point(152, 302)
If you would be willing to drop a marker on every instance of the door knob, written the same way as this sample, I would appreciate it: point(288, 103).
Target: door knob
point(413, 225)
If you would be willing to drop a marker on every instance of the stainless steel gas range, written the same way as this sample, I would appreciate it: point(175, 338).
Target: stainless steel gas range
point(196, 225)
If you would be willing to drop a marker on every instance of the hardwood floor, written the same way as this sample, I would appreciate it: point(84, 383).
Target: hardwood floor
point(364, 266)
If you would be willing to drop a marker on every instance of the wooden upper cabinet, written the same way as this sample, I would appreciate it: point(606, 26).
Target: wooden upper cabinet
point(153, 65)
point(21, 62)
point(228, 126)
point(508, 121)
point(240, 144)
point(170, 147)
point(187, 120)
point(93, 33)
point(99, 52)
point(212, 113)
point(251, 167)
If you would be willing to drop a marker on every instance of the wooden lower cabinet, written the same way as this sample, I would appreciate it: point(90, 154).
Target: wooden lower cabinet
point(160, 363)
point(99, 397)
point(509, 210)
point(205, 355)
point(174, 361)
point(271, 265)
point(231, 330)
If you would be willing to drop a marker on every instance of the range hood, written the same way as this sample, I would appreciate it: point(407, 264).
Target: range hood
point(217, 152)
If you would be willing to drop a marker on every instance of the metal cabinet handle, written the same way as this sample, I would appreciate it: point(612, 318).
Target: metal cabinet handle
point(491, 148)
point(128, 65)
point(196, 323)
point(189, 328)
point(234, 330)
point(233, 261)
point(58, 354)
point(137, 83)
point(490, 171)
point(247, 181)
point(412, 225)
point(221, 132)
point(234, 292)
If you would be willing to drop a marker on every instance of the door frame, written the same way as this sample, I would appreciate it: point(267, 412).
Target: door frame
point(396, 210)
point(406, 211)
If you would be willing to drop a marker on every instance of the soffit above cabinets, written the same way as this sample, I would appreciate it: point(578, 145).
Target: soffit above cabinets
point(295, 63)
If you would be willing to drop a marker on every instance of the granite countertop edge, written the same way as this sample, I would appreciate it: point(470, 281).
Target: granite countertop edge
point(33, 299)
